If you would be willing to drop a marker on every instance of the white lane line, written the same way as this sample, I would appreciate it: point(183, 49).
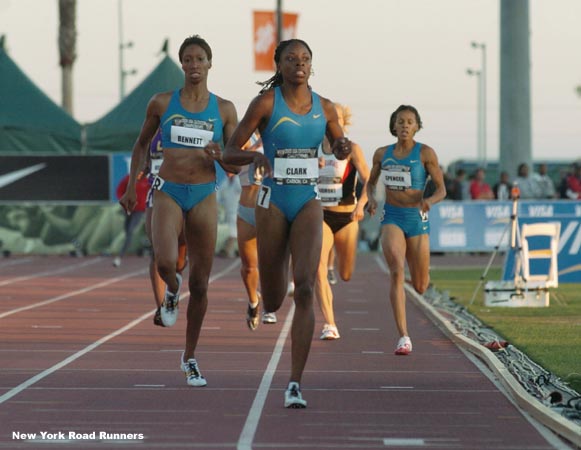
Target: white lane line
point(51, 272)
point(15, 262)
point(35, 379)
point(247, 436)
point(73, 293)
point(45, 373)
point(403, 442)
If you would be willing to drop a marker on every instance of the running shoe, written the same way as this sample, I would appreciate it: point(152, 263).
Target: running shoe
point(116, 261)
point(404, 346)
point(331, 277)
point(157, 317)
point(193, 375)
point(329, 333)
point(293, 397)
point(252, 317)
point(268, 317)
point(170, 305)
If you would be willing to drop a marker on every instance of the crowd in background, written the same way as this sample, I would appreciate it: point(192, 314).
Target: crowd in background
point(532, 185)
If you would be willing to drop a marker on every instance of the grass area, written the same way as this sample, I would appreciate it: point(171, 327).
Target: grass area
point(549, 336)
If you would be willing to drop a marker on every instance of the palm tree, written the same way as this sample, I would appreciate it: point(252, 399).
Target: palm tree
point(67, 44)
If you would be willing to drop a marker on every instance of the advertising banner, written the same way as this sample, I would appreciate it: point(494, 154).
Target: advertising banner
point(54, 178)
point(265, 36)
point(478, 226)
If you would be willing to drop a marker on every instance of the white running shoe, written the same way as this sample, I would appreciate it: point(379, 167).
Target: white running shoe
point(193, 374)
point(330, 332)
point(404, 346)
point(293, 397)
point(116, 261)
point(170, 305)
point(268, 317)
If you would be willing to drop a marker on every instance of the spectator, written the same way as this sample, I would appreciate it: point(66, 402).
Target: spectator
point(458, 187)
point(134, 218)
point(545, 185)
point(528, 188)
point(573, 187)
point(479, 188)
point(502, 189)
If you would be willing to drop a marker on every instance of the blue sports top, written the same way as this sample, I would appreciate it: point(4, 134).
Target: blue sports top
point(402, 174)
point(291, 142)
point(183, 129)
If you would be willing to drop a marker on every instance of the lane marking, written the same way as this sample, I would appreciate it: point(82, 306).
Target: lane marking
point(51, 272)
point(247, 436)
point(45, 373)
point(35, 379)
point(73, 293)
point(15, 262)
point(403, 442)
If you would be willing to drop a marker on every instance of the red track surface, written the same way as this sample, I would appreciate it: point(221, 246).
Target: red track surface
point(85, 357)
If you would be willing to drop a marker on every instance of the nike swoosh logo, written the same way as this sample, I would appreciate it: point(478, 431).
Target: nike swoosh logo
point(413, 161)
point(283, 120)
point(316, 116)
point(212, 120)
point(9, 178)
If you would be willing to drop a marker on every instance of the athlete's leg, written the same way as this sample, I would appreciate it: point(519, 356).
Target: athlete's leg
point(306, 254)
point(323, 290)
point(157, 284)
point(346, 249)
point(248, 258)
point(201, 232)
point(394, 249)
point(418, 259)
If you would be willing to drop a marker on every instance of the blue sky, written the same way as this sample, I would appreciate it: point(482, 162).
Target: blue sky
point(371, 54)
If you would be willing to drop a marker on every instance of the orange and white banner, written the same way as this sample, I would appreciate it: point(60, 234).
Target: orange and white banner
point(265, 36)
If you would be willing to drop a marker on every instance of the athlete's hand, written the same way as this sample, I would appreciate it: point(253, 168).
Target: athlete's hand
point(371, 205)
point(214, 151)
point(128, 201)
point(358, 213)
point(341, 148)
point(262, 167)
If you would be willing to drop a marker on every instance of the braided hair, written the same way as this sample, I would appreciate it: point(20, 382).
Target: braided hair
point(276, 79)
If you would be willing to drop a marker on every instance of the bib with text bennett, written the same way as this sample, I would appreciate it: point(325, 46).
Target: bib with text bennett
point(191, 132)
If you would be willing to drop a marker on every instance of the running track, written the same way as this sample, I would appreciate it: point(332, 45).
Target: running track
point(79, 353)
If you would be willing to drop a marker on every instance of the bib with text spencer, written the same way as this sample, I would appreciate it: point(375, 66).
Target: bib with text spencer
point(396, 177)
point(296, 166)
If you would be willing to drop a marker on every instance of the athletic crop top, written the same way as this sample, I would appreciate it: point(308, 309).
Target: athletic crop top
point(337, 179)
point(291, 142)
point(403, 174)
point(183, 129)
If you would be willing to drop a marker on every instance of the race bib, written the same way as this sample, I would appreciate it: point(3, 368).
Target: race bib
point(157, 183)
point(298, 166)
point(263, 198)
point(191, 133)
point(396, 178)
point(155, 166)
point(331, 193)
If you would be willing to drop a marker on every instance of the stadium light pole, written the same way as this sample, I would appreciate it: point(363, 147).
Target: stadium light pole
point(122, 46)
point(278, 21)
point(482, 47)
point(479, 133)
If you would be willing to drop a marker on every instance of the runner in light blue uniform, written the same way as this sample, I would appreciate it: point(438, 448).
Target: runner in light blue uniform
point(411, 220)
point(184, 129)
point(292, 121)
point(291, 142)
